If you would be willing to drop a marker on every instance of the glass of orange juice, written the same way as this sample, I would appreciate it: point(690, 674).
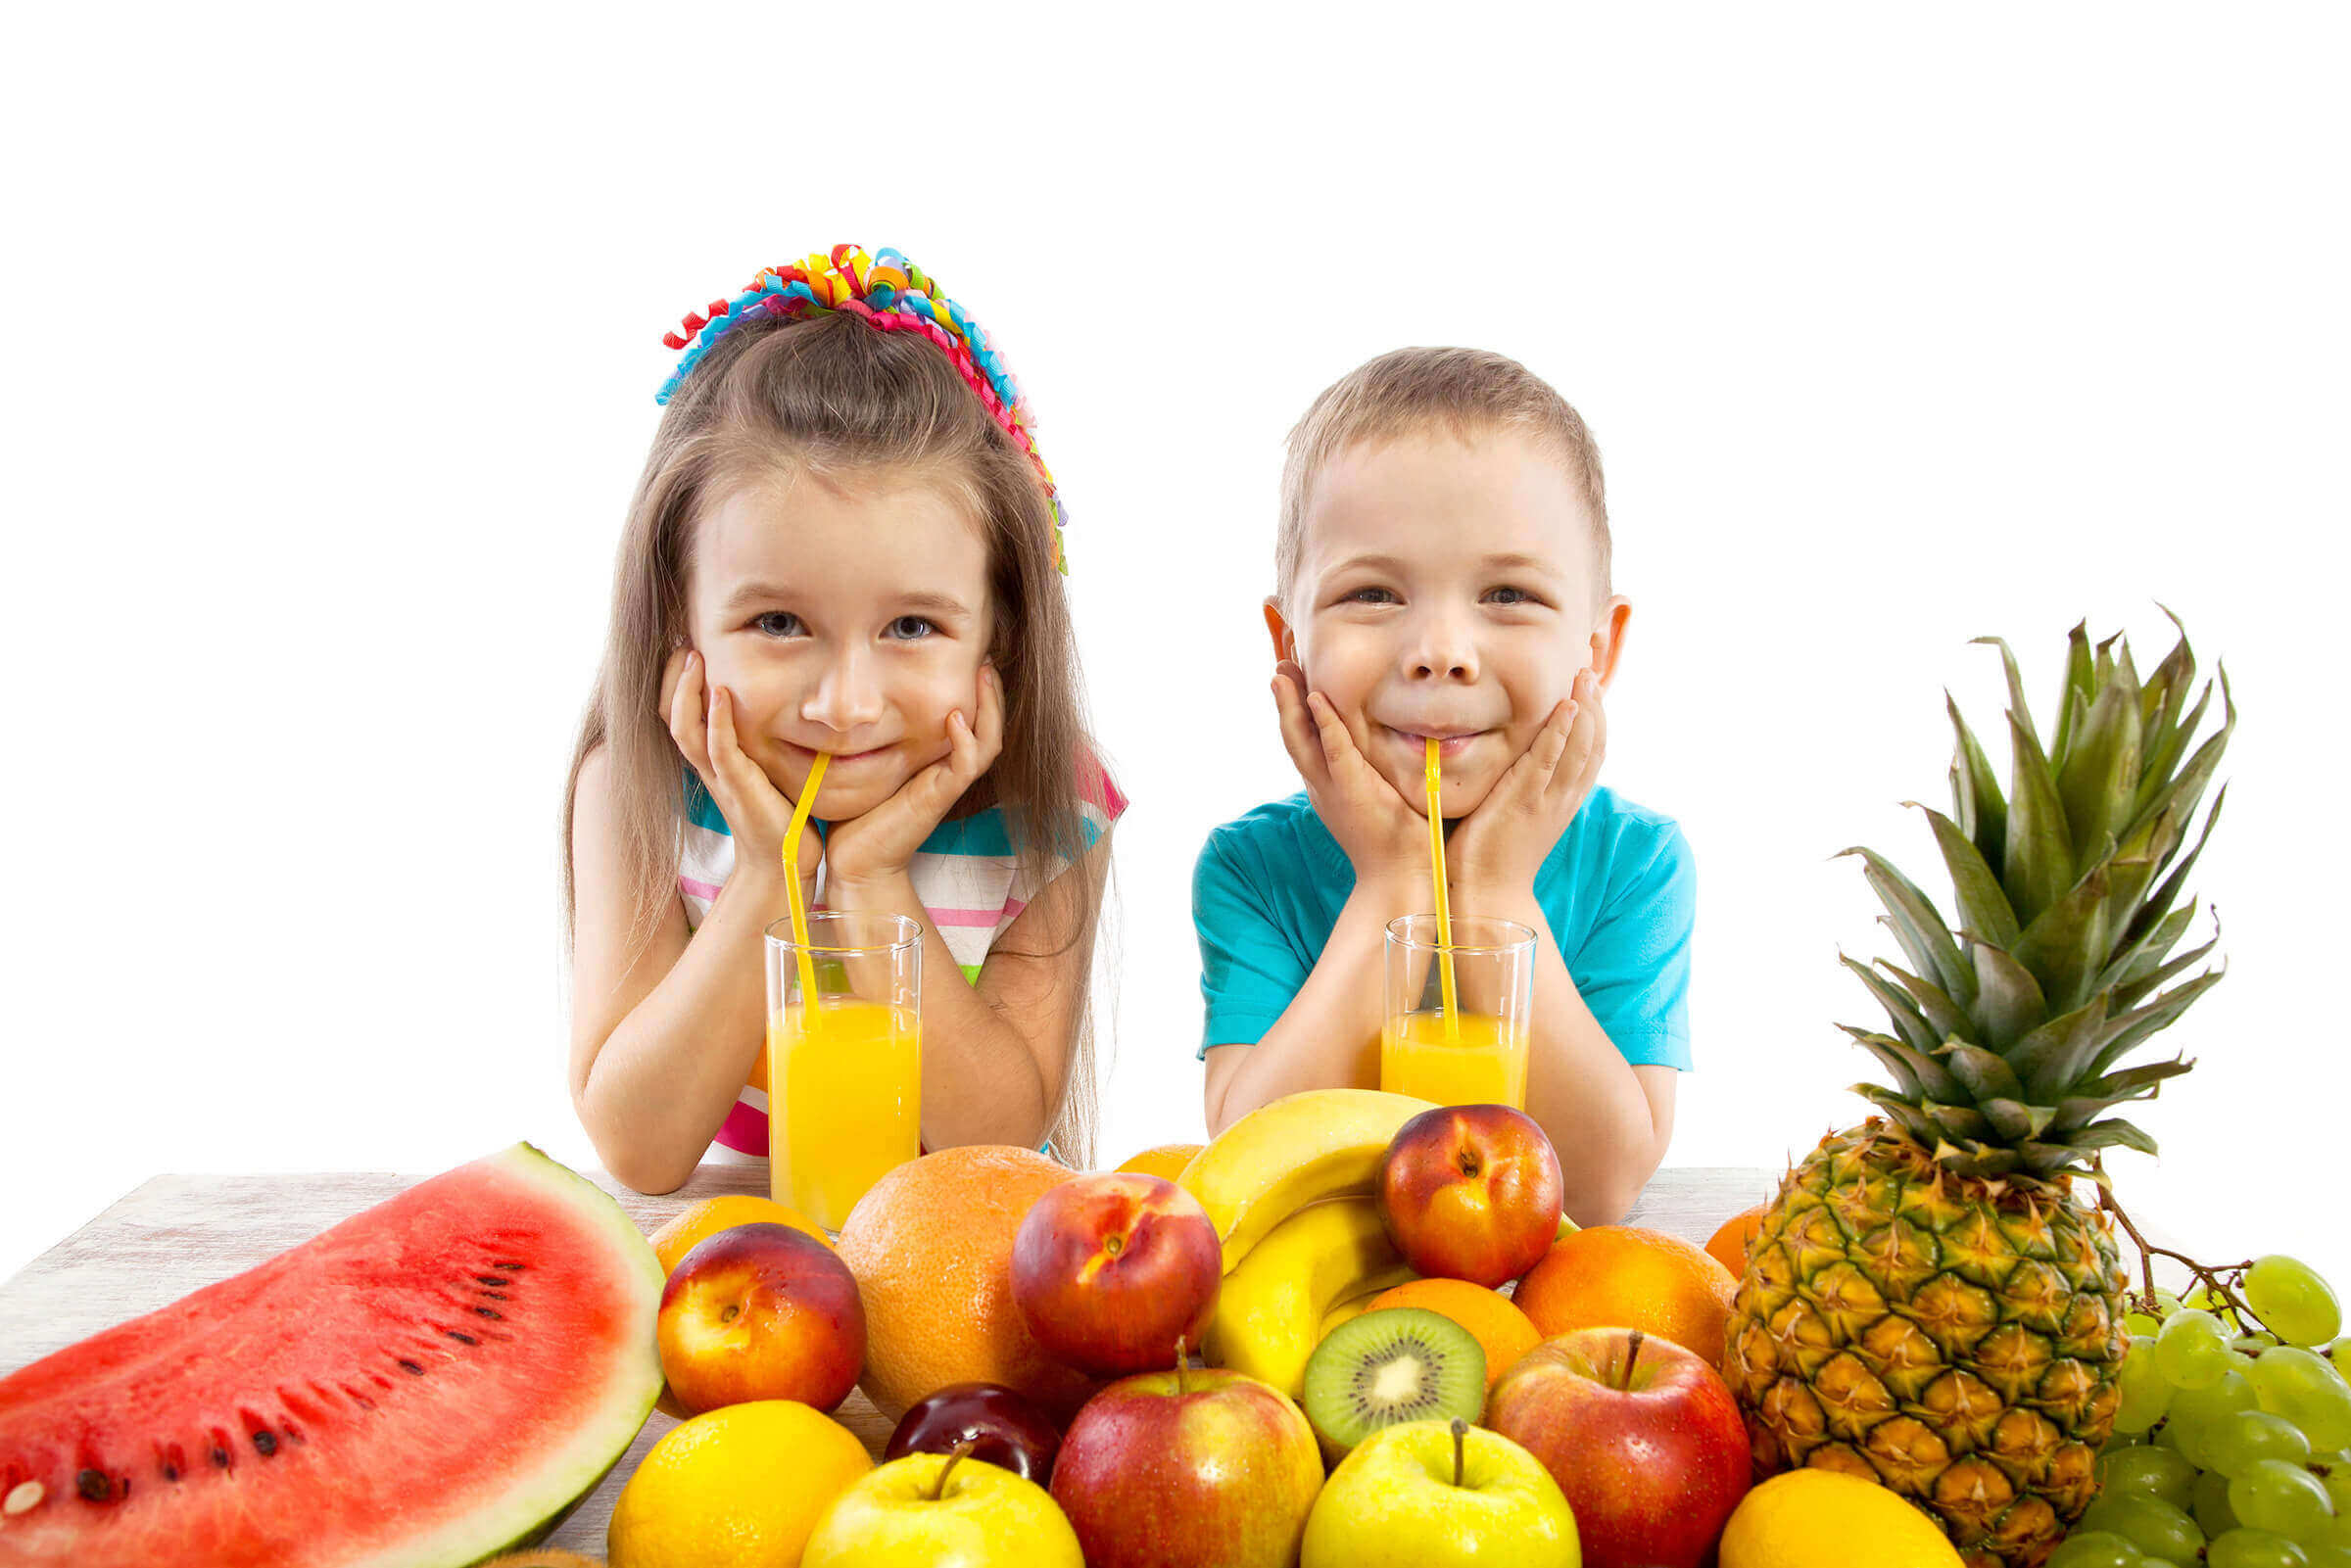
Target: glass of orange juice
point(1477, 1056)
point(844, 1058)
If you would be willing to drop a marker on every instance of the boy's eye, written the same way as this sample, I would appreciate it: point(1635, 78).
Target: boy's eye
point(1372, 595)
point(778, 623)
point(1509, 596)
point(911, 628)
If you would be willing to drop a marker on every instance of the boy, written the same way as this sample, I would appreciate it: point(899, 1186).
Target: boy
point(1442, 570)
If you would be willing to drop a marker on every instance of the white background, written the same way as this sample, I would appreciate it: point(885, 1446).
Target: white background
point(333, 340)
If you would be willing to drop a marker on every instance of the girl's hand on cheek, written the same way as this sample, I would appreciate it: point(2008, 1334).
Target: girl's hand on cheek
point(702, 720)
point(877, 845)
point(1384, 838)
point(1505, 841)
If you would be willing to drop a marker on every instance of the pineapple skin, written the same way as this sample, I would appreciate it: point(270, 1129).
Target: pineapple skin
point(1957, 1339)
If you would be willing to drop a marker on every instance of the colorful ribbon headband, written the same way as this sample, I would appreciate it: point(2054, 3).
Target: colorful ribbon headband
point(890, 294)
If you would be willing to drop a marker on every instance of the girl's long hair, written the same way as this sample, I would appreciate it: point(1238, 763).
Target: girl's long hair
point(831, 397)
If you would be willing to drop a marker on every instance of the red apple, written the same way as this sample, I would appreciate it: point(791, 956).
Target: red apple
point(1471, 1192)
point(1111, 1271)
point(1002, 1426)
point(1642, 1436)
point(760, 1311)
point(1172, 1469)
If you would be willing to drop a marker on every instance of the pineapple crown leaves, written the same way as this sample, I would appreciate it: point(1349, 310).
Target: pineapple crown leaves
point(2006, 1031)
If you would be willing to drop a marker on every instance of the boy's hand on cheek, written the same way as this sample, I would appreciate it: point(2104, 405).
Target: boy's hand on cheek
point(702, 720)
point(1504, 843)
point(1384, 838)
point(877, 847)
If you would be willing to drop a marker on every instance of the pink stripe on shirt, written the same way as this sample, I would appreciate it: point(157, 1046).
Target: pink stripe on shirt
point(745, 1131)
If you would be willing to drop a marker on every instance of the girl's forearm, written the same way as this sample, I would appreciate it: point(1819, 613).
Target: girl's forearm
point(665, 1079)
point(1578, 1085)
point(982, 1080)
point(1329, 1033)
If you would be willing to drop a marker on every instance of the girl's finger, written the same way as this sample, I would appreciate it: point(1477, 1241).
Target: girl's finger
point(671, 674)
point(686, 726)
point(988, 732)
point(739, 774)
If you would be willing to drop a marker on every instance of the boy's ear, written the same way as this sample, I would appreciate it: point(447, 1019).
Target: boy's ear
point(1608, 639)
point(1285, 640)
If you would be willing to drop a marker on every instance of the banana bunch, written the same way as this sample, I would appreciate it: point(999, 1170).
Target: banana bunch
point(1289, 1188)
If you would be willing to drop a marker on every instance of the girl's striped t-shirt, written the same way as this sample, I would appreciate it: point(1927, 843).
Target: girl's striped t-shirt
point(966, 873)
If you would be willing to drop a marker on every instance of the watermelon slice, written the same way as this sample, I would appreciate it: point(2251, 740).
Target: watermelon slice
point(428, 1383)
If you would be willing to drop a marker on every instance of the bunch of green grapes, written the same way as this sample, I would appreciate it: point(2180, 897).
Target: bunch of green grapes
point(2232, 1442)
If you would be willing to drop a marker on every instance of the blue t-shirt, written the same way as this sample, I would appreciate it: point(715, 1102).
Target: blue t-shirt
point(1619, 891)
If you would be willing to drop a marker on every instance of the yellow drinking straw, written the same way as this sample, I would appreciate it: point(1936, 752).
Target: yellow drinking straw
point(1436, 871)
point(791, 881)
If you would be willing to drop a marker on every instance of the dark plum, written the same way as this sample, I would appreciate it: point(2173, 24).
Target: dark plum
point(1004, 1428)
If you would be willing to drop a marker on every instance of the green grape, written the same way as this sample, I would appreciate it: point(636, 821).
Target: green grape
point(2282, 1498)
point(2307, 1390)
point(2192, 1349)
point(2196, 1411)
point(2210, 1507)
point(2147, 1522)
point(2337, 1482)
point(2255, 1549)
point(2255, 1344)
point(2147, 1395)
point(2138, 1322)
point(2239, 1439)
point(2204, 1299)
point(2095, 1548)
point(2292, 1302)
point(2323, 1556)
point(2165, 1473)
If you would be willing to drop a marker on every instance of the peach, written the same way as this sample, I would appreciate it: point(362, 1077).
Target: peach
point(1471, 1192)
point(1111, 1271)
point(760, 1311)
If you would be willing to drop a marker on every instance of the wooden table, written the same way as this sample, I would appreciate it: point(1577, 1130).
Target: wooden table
point(176, 1233)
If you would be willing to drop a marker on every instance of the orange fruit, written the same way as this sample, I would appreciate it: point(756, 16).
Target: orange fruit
point(1623, 1277)
point(1167, 1160)
point(1738, 1233)
point(711, 1216)
point(930, 1244)
point(1501, 1329)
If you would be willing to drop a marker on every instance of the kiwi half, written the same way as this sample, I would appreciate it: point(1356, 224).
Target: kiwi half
point(1400, 1363)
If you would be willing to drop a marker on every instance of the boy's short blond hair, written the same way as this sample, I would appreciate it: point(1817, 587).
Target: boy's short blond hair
point(1464, 392)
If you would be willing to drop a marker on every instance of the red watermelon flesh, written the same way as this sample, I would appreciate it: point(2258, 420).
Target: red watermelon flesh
point(426, 1384)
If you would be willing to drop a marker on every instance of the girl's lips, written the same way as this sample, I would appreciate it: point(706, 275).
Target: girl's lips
point(839, 758)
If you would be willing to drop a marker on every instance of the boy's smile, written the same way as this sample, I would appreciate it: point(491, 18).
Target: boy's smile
point(1445, 587)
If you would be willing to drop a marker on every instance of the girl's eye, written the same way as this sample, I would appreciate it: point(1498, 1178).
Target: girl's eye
point(1373, 595)
point(911, 629)
point(778, 623)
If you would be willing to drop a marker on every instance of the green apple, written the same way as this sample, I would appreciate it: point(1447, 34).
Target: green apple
point(942, 1510)
point(1427, 1495)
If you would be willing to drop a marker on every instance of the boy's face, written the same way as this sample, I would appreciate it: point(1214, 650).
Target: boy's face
point(849, 619)
point(1445, 588)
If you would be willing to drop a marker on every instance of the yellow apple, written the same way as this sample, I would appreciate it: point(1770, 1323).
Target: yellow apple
point(1430, 1495)
point(932, 1511)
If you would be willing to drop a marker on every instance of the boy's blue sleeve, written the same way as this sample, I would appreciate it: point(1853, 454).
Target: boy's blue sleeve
point(1249, 969)
point(1634, 970)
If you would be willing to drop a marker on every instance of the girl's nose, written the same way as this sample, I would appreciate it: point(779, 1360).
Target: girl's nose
point(845, 695)
point(1440, 647)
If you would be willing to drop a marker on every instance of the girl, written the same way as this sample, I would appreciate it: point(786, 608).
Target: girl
point(844, 541)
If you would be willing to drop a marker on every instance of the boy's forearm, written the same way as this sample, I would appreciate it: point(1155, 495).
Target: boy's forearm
point(1578, 1085)
point(662, 1083)
point(1329, 1033)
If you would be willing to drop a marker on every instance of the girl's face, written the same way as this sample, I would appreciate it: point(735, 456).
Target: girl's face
point(848, 618)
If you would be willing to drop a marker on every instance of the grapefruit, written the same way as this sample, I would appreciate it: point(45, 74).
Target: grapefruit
point(930, 1244)
point(1626, 1276)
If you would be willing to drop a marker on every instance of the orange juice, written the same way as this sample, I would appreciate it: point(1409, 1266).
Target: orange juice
point(844, 1103)
point(1468, 1059)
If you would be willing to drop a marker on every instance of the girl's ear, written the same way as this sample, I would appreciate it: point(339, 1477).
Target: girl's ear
point(1607, 641)
point(1285, 640)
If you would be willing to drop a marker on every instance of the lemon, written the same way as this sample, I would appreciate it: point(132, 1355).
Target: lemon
point(738, 1486)
point(1827, 1519)
point(711, 1216)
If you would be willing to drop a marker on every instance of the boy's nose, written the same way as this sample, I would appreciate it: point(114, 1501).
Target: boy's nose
point(1441, 651)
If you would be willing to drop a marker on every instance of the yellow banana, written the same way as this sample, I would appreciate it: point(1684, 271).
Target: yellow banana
point(1357, 1306)
point(1269, 1310)
point(1299, 1150)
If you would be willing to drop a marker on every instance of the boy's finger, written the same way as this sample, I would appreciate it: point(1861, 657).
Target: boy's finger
point(1297, 736)
point(1338, 746)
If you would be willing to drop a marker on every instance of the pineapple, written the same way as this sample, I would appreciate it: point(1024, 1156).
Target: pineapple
point(1929, 1302)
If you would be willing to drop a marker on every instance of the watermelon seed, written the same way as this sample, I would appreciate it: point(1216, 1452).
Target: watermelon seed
point(266, 1441)
point(489, 1311)
point(170, 1472)
point(220, 1457)
point(93, 1485)
point(23, 1498)
point(510, 1267)
point(407, 1366)
point(493, 1279)
point(495, 1296)
point(462, 1338)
